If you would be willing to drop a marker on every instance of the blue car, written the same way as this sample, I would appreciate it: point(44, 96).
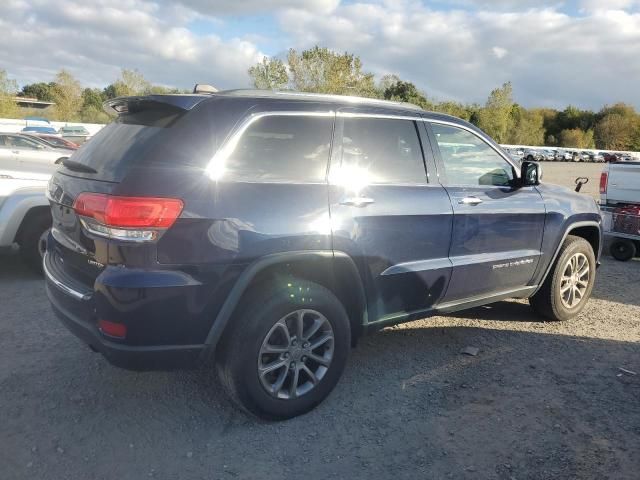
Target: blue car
point(262, 234)
point(44, 130)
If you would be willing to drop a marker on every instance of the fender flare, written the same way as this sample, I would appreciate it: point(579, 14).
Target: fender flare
point(254, 269)
point(569, 229)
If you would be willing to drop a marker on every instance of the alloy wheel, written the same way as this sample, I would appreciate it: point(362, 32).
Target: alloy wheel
point(575, 280)
point(296, 354)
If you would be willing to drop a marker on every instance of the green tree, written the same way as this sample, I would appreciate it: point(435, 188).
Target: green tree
point(466, 112)
point(322, 71)
point(495, 117)
point(270, 74)
point(67, 94)
point(577, 138)
point(527, 127)
point(130, 83)
point(40, 90)
point(8, 90)
point(401, 91)
point(92, 112)
point(614, 132)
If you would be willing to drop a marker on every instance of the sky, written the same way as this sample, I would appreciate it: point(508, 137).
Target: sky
point(581, 52)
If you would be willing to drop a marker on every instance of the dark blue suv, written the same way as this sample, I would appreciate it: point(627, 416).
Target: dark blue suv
point(263, 233)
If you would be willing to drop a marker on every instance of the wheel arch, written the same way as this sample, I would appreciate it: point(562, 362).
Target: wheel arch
point(590, 230)
point(335, 271)
point(29, 216)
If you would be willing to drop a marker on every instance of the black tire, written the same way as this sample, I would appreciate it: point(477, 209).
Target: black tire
point(622, 249)
point(30, 241)
point(547, 301)
point(239, 349)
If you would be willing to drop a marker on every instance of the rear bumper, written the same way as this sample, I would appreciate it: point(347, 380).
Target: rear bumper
point(76, 309)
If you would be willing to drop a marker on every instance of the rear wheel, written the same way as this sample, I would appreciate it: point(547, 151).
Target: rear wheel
point(622, 249)
point(33, 240)
point(285, 351)
point(568, 285)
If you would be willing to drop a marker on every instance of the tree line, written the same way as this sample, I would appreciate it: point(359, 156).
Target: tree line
point(73, 103)
point(320, 70)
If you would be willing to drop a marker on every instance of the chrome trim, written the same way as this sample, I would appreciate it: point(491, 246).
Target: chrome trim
point(68, 290)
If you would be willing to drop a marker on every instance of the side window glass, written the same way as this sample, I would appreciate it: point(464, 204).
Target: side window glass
point(382, 150)
point(468, 160)
point(23, 143)
point(282, 148)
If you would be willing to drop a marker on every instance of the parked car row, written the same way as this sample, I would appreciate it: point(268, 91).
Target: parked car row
point(73, 133)
point(563, 155)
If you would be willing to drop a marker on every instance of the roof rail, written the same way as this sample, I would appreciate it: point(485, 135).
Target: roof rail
point(319, 96)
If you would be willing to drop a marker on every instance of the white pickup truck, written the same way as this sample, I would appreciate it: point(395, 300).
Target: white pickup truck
point(25, 216)
point(620, 205)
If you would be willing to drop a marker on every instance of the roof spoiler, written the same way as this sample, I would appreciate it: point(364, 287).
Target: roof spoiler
point(123, 105)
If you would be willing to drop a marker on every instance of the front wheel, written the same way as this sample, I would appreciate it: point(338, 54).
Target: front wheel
point(568, 286)
point(286, 350)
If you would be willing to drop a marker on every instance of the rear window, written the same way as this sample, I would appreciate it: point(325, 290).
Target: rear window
point(153, 135)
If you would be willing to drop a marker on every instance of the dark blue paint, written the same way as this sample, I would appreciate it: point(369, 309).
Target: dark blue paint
point(415, 248)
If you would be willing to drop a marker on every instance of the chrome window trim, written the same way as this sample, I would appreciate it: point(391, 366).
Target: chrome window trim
point(229, 144)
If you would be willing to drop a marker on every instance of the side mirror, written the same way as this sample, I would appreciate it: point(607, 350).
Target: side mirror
point(530, 174)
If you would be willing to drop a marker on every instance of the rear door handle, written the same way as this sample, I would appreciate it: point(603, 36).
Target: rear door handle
point(356, 201)
point(470, 201)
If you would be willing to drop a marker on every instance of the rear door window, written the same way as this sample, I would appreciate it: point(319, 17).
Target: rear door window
point(287, 148)
point(384, 150)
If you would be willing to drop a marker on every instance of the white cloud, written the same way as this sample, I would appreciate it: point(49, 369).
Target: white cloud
point(553, 58)
point(95, 40)
point(226, 7)
point(499, 52)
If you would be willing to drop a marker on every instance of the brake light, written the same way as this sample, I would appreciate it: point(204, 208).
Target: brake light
point(604, 177)
point(126, 218)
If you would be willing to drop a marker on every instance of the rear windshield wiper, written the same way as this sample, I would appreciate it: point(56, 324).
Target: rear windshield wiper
point(77, 166)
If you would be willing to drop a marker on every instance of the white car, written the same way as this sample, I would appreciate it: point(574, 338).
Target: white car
point(21, 154)
point(25, 215)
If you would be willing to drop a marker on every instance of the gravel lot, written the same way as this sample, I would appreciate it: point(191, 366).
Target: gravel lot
point(540, 400)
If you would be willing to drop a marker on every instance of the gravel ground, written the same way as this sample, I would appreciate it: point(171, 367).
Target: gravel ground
point(540, 400)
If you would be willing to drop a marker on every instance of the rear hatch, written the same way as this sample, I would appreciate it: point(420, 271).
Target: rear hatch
point(151, 134)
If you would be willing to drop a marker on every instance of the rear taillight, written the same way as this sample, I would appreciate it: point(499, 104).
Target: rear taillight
point(126, 218)
point(603, 182)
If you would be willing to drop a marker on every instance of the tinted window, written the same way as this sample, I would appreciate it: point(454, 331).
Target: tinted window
point(282, 148)
point(468, 160)
point(153, 136)
point(387, 150)
point(21, 142)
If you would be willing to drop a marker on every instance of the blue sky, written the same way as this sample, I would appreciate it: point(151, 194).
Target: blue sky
point(580, 52)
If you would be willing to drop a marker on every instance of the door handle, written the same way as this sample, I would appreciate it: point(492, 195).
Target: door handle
point(469, 201)
point(356, 201)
